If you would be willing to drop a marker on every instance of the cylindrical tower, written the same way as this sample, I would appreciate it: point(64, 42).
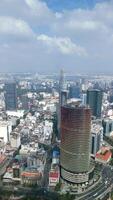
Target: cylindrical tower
point(75, 142)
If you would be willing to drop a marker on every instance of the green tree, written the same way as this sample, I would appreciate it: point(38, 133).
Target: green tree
point(58, 186)
point(67, 196)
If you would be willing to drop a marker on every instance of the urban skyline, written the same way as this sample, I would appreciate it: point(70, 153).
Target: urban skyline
point(56, 99)
point(51, 144)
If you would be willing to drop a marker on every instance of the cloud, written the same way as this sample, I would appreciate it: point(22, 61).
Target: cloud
point(12, 26)
point(37, 6)
point(85, 25)
point(32, 36)
point(34, 12)
point(64, 45)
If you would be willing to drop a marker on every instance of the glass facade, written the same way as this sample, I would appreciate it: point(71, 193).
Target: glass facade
point(75, 139)
point(10, 96)
point(94, 100)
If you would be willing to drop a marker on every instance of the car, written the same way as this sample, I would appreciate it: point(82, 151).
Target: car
point(95, 194)
point(15, 188)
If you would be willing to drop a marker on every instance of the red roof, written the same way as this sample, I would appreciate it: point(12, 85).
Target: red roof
point(30, 174)
point(53, 174)
point(104, 156)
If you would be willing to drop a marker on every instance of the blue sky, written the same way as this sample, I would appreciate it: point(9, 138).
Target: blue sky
point(59, 5)
point(46, 35)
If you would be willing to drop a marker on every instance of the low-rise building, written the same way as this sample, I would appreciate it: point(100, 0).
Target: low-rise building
point(53, 178)
point(30, 178)
point(103, 155)
point(15, 140)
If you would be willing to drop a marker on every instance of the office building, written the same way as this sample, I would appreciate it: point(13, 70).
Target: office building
point(83, 97)
point(107, 126)
point(94, 100)
point(96, 138)
point(62, 98)
point(10, 96)
point(75, 143)
point(74, 91)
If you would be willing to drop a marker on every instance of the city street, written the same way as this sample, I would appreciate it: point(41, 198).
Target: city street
point(105, 185)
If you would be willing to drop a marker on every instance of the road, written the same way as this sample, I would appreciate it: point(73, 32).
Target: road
point(100, 189)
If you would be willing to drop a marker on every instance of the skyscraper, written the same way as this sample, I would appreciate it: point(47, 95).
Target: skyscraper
point(75, 143)
point(10, 96)
point(62, 98)
point(96, 137)
point(61, 80)
point(94, 100)
point(74, 91)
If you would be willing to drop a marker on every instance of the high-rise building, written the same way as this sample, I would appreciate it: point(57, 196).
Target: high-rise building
point(94, 100)
point(62, 98)
point(61, 81)
point(74, 91)
point(75, 143)
point(96, 138)
point(10, 96)
point(107, 126)
point(83, 98)
point(62, 89)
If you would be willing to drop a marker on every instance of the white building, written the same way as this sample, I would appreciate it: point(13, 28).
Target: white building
point(108, 126)
point(50, 107)
point(5, 130)
point(15, 140)
point(96, 138)
point(84, 98)
point(53, 178)
point(48, 129)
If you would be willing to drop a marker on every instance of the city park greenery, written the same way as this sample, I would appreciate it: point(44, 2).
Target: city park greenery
point(8, 195)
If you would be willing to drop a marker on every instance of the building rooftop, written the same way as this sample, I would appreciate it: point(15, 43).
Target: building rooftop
point(54, 174)
point(104, 154)
point(95, 128)
point(31, 174)
point(76, 105)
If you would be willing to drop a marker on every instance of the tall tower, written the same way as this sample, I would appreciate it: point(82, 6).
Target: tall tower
point(63, 94)
point(94, 100)
point(10, 96)
point(62, 89)
point(75, 143)
point(61, 80)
